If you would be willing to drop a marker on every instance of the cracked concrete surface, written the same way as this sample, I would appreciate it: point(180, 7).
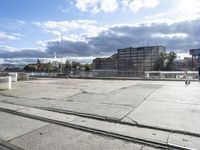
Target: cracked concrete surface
point(31, 134)
point(163, 104)
point(99, 97)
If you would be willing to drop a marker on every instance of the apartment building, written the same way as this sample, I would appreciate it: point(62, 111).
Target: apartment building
point(109, 63)
point(130, 61)
point(138, 60)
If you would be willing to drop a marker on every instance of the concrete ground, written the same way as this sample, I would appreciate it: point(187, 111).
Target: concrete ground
point(30, 134)
point(159, 105)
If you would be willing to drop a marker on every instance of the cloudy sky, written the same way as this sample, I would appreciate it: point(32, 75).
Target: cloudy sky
point(95, 28)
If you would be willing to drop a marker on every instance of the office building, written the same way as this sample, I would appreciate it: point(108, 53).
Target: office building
point(196, 54)
point(138, 60)
point(109, 63)
point(130, 61)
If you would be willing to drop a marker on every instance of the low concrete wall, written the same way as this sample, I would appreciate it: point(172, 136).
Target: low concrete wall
point(5, 83)
point(14, 76)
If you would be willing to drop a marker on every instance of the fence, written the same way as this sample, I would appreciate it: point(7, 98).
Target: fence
point(121, 74)
point(171, 74)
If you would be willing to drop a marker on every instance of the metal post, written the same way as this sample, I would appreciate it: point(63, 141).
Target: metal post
point(192, 63)
point(61, 38)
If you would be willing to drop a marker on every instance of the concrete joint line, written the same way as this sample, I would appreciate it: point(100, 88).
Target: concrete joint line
point(9, 146)
point(113, 120)
point(146, 142)
point(132, 110)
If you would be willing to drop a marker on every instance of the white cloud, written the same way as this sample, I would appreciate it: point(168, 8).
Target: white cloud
point(176, 37)
point(65, 26)
point(53, 32)
point(179, 11)
point(156, 16)
point(188, 6)
point(76, 29)
point(8, 48)
point(6, 36)
point(21, 22)
point(95, 6)
point(187, 9)
point(136, 5)
point(183, 55)
point(170, 36)
point(42, 43)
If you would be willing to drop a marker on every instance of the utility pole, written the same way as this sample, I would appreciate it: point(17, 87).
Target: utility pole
point(147, 44)
point(61, 39)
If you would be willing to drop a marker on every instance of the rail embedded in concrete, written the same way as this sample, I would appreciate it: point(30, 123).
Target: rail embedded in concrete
point(116, 120)
point(7, 146)
point(100, 127)
point(108, 119)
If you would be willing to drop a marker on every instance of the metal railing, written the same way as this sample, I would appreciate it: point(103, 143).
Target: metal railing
point(121, 74)
point(171, 74)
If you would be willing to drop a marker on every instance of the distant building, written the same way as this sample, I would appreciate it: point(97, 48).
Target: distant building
point(55, 64)
point(196, 54)
point(139, 60)
point(109, 63)
point(191, 63)
point(12, 67)
point(179, 65)
point(130, 61)
point(186, 64)
point(75, 65)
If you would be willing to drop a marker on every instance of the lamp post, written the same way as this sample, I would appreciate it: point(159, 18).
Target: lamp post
point(61, 38)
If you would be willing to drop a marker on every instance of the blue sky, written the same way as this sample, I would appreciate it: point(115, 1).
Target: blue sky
point(31, 29)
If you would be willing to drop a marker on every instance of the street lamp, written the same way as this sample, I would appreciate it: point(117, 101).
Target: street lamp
point(61, 52)
point(61, 38)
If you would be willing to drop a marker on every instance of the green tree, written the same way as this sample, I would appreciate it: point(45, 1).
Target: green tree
point(48, 67)
point(67, 65)
point(161, 62)
point(165, 62)
point(88, 67)
point(170, 61)
point(30, 68)
point(39, 65)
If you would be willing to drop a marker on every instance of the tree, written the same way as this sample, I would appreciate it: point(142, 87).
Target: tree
point(165, 62)
point(170, 61)
point(48, 67)
point(88, 67)
point(30, 67)
point(39, 65)
point(75, 65)
point(161, 62)
point(67, 65)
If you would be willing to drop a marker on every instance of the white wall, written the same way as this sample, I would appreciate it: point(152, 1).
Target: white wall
point(5, 83)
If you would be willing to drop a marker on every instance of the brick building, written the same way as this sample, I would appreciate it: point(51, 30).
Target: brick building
point(138, 60)
point(130, 61)
point(109, 63)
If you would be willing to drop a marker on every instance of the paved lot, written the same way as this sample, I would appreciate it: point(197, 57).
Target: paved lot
point(30, 134)
point(100, 97)
point(159, 104)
